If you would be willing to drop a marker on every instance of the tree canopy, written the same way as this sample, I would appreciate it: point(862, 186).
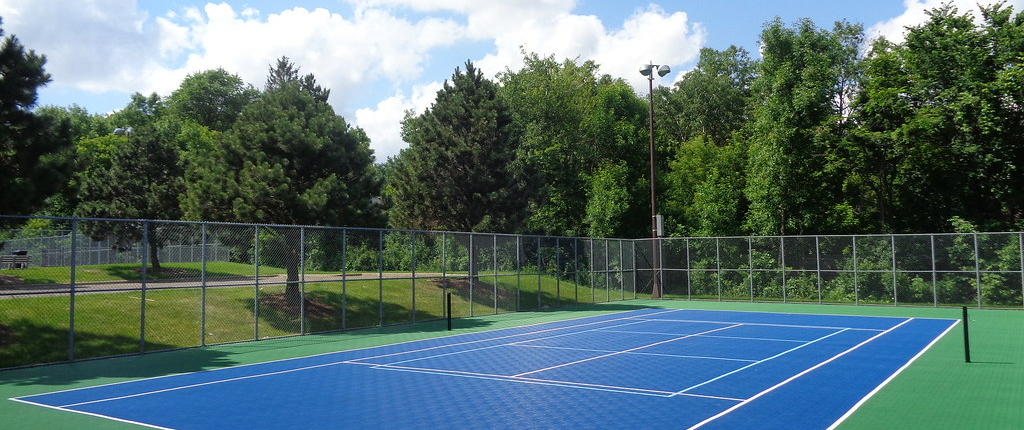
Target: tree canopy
point(34, 150)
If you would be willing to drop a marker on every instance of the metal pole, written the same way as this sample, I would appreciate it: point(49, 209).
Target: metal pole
point(1020, 239)
point(380, 278)
point(344, 278)
point(473, 271)
point(718, 266)
point(977, 269)
point(142, 294)
point(856, 291)
point(74, 268)
point(967, 338)
point(817, 263)
point(256, 283)
point(558, 272)
point(576, 269)
point(935, 281)
point(302, 282)
point(494, 262)
point(895, 295)
point(412, 249)
point(655, 257)
point(202, 289)
point(782, 265)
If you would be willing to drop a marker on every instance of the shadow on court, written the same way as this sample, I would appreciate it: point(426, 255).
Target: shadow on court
point(165, 360)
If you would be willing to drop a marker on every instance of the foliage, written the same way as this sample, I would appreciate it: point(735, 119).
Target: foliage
point(457, 172)
point(142, 181)
point(288, 159)
point(212, 98)
point(34, 149)
point(574, 123)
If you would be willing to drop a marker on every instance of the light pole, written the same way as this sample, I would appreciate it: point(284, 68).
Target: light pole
point(648, 71)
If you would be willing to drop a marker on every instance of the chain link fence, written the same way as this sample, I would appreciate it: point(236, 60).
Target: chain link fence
point(984, 270)
point(99, 287)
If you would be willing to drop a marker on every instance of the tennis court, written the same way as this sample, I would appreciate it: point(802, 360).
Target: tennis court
point(648, 368)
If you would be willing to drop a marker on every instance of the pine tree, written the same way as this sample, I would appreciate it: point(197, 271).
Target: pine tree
point(457, 173)
point(34, 150)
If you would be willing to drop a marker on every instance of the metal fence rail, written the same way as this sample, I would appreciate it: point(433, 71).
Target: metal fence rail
point(110, 287)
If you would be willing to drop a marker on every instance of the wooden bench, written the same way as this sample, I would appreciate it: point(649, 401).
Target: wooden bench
point(15, 261)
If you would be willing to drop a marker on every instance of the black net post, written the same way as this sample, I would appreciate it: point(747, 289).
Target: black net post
point(449, 300)
point(967, 338)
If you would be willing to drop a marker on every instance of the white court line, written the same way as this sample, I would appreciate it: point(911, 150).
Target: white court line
point(329, 353)
point(653, 354)
point(890, 378)
point(759, 362)
point(625, 351)
point(182, 387)
point(550, 382)
point(517, 335)
point(769, 324)
point(708, 335)
point(91, 414)
point(767, 339)
point(794, 377)
point(490, 346)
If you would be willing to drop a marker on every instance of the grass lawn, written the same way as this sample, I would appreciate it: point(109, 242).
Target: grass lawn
point(131, 272)
point(35, 328)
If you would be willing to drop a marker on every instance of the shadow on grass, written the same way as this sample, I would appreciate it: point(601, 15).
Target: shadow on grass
point(29, 344)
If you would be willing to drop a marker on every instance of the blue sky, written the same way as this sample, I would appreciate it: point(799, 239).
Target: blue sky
point(381, 58)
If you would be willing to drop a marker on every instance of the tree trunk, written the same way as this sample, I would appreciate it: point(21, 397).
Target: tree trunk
point(154, 248)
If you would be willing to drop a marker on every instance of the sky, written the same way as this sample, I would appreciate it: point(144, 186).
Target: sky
point(382, 58)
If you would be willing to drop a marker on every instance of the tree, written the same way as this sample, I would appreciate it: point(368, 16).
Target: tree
point(797, 125)
point(704, 189)
point(143, 181)
point(288, 159)
point(457, 173)
point(940, 123)
point(711, 99)
point(212, 98)
point(574, 124)
point(34, 150)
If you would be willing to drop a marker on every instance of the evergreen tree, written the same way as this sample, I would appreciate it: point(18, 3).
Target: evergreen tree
point(35, 155)
point(288, 159)
point(142, 181)
point(457, 173)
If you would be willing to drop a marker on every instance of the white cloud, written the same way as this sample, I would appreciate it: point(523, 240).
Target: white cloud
point(383, 122)
point(114, 46)
point(914, 14)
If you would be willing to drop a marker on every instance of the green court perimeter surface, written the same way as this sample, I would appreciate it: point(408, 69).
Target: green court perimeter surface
point(938, 391)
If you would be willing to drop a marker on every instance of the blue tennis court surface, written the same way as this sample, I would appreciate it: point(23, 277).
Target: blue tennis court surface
point(648, 368)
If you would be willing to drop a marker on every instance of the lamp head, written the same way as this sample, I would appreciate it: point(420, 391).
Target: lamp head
point(646, 69)
point(663, 70)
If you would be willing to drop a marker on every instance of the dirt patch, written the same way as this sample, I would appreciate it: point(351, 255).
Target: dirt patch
point(281, 303)
point(165, 272)
point(461, 288)
point(10, 280)
point(6, 337)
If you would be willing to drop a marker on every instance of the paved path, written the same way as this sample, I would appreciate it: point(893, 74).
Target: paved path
point(35, 290)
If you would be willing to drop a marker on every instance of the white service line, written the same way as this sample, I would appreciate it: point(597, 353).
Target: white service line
point(794, 377)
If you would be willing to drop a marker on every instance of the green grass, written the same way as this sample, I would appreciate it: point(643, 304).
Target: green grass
point(938, 392)
point(132, 272)
point(35, 329)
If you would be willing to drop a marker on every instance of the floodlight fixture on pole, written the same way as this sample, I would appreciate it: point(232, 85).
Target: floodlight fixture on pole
point(656, 228)
point(124, 131)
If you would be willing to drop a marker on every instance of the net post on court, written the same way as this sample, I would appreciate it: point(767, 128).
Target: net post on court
point(967, 338)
